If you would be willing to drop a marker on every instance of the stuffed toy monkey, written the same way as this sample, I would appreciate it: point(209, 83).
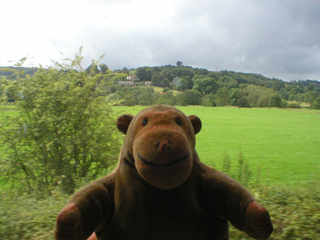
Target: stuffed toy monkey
point(160, 190)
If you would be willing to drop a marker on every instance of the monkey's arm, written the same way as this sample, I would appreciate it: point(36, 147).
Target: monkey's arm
point(229, 200)
point(87, 212)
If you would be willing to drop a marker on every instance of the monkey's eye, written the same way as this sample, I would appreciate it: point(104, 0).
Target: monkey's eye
point(178, 121)
point(145, 122)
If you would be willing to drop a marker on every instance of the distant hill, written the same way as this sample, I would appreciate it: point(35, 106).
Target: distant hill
point(172, 71)
point(185, 85)
point(10, 72)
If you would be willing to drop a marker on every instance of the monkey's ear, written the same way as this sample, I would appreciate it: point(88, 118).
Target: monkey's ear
point(196, 123)
point(123, 122)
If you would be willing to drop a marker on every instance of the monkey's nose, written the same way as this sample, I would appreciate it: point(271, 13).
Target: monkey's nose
point(163, 146)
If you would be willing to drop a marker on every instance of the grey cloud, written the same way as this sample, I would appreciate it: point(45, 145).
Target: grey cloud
point(278, 39)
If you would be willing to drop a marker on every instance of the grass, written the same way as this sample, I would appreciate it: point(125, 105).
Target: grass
point(283, 145)
point(160, 90)
point(132, 72)
point(10, 108)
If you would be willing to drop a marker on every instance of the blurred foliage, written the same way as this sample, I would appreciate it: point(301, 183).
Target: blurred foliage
point(24, 216)
point(295, 213)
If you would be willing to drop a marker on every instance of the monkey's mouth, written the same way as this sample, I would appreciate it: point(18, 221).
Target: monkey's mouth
point(164, 164)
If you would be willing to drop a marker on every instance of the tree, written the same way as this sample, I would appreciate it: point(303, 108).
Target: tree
point(258, 96)
point(165, 90)
point(189, 97)
point(228, 82)
point(275, 101)
point(182, 83)
point(209, 100)
point(316, 103)
point(168, 74)
point(64, 132)
point(3, 81)
point(238, 98)
point(92, 69)
point(165, 83)
point(179, 64)
point(277, 85)
point(167, 98)
point(125, 70)
point(115, 99)
point(8, 90)
point(103, 68)
point(310, 96)
point(129, 100)
point(145, 99)
point(179, 72)
point(157, 79)
point(190, 82)
point(144, 74)
point(205, 86)
point(222, 97)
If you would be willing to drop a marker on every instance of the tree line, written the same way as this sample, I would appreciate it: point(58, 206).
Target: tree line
point(185, 85)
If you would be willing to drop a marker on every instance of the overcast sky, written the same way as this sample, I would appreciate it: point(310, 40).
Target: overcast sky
point(275, 38)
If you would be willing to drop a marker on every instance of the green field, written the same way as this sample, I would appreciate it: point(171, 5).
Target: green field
point(283, 144)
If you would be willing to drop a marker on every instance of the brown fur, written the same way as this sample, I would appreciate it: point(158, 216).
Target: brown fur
point(160, 190)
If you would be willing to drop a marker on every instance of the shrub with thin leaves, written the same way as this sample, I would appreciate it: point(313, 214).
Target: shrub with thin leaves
point(64, 133)
point(242, 172)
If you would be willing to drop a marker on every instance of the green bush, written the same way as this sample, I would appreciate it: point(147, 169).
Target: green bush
point(275, 101)
point(64, 131)
point(316, 103)
point(209, 100)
